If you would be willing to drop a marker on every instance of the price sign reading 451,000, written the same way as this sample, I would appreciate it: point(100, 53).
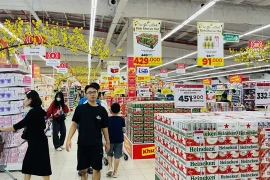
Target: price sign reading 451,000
point(147, 61)
point(189, 96)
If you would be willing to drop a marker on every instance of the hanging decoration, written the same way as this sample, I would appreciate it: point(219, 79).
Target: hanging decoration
point(21, 33)
point(251, 55)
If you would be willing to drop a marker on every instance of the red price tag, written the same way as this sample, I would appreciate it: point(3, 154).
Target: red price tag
point(63, 65)
point(210, 61)
point(147, 61)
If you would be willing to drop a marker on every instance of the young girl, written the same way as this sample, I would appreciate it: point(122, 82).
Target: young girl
point(58, 111)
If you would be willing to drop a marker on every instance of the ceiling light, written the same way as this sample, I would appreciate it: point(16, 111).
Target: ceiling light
point(255, 30)
point(203, 9)
point(123, 67)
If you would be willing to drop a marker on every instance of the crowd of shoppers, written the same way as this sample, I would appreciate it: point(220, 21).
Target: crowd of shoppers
point(92, 119)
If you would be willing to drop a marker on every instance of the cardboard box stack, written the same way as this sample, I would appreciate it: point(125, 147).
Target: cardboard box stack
point(140, 118)
point(212, 146)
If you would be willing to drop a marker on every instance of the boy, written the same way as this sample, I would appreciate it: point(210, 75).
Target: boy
point(116, 130)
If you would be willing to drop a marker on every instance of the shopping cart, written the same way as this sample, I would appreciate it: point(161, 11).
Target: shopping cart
point(5, 147)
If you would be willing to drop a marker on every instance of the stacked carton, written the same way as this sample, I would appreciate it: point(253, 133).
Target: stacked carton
point(212, 146)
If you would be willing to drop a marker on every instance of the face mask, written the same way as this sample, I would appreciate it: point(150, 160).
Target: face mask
point(58, 99)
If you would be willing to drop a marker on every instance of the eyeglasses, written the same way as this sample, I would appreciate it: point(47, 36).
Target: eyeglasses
point(91, 92)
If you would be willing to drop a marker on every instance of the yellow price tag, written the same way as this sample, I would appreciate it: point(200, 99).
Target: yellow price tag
point(143, 78)
point(147, 61)
point(210, 61)
point(165, 91)
point(119, 91)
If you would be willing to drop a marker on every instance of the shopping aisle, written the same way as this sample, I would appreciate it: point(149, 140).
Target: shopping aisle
point(64, 166)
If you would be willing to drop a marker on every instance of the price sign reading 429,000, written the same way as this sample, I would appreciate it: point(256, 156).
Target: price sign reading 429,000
point(147, 61)
point(262, 94)
point(189, 96)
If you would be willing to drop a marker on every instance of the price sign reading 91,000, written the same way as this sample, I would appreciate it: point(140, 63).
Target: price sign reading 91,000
point(262, 94)
point(147, 61)
point(210, 61)
point(189, 96)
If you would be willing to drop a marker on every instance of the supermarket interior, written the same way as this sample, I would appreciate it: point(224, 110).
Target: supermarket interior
point(192, 78)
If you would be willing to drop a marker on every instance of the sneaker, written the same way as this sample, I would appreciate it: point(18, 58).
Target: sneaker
point(62, 147)
point(59, 149)
point(110, 172)
point(115, 175)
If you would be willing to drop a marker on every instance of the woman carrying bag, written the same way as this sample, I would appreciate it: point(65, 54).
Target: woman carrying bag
point(37, 157)
point(58, 111)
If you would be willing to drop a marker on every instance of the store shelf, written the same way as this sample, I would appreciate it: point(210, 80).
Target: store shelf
point(43, 85)
point(249, 99)
point(14, 85)
point(9, 113)
point(15, 70)
point(11, 99)
point(248, 88)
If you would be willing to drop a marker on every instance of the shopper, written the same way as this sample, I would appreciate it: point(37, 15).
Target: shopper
point(224, 98)
point(92, 119)
point(235, 96)
point(58, 111)
point(37, 158)
point(103, 102)
point(116, 130)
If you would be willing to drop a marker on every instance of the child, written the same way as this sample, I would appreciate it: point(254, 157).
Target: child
point(116, 130)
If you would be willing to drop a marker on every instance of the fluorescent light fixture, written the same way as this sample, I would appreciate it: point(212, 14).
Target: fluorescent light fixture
point(178, 59)
point(255, 30)
point(203, 9)
point(91, 34)
point(189, 67)
point(46, 76)
point(123, 67)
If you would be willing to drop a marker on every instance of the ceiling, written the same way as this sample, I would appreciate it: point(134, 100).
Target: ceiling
point(239, 16)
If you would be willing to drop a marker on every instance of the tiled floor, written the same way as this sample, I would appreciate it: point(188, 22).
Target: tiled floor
point(64, 166)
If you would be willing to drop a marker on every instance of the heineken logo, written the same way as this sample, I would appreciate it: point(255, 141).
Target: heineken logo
point(247, 147)
point(241, 133)
point(248, 175)
point(229, 176)
point(202, 149)
point(228, 162)
point(213, 177)
point(249, 161)
point(210, 133)
point(227, 133)
point(202, 163)
point(232, 147)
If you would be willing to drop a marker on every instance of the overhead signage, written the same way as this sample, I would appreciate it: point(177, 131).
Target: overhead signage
point(210, 44)
point(235, 78)
point(147, 42)
point(233, 38)
point(262, 94)
point(143, 78)
point(53, 58)
point(144, 92)
point(180, 68)
point(143, 71)
point(207, 81)
point(63, 68)
point(163, 73)
point(166, 91)
point(119, 91)
point(34, 38)
point(189, 96)
point(35, 71)
point(131, 76)
point(35, 51)
point(256, 44)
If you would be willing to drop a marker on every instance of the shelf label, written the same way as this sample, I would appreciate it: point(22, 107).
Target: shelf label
point(262, 94)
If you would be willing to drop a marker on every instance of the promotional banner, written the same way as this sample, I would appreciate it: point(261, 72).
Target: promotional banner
point(35, 51)
point(35, 71)
point(256, 44)
point(180, 68)
point(235, 78)
point(34, 38)
point(119, 90)
point(63, 68)
point(210, 44)
point(113, 68)
point(262, 94)
point(131, 75)
point(163, 73)
point(207, 81)
point(166, 91)
point(143, 74)
point(189, 96)
point(147, 42)
point(53, 58)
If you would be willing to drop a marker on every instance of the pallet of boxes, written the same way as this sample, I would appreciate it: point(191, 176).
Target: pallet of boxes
point(212, 146)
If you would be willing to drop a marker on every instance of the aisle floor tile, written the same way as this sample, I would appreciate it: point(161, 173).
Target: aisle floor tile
point(64, 166)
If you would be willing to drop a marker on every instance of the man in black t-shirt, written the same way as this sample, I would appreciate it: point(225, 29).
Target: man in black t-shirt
point(92, 119)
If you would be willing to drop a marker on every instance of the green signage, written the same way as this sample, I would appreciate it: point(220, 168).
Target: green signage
point(231, 37)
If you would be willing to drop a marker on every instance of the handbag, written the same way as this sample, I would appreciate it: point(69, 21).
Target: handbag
point(60, 118)
point(24, 134)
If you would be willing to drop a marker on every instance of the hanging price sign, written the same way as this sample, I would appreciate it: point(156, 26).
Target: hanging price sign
point(262, 94)
point(143, 78)
point(210, 61)
point(189, 96)
point(147, 61)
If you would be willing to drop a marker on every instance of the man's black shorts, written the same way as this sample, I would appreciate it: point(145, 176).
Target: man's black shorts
point(90, 156)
